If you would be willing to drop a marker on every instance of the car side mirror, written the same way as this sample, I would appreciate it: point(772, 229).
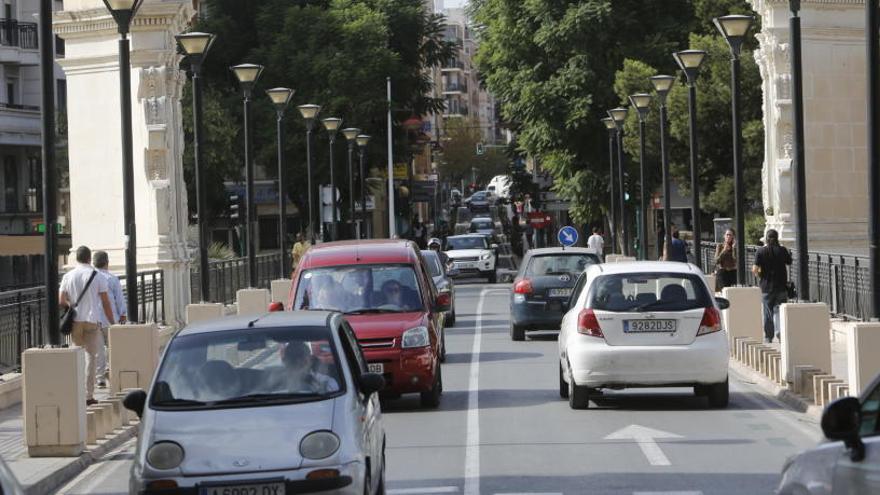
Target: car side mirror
point(372, 383)
point(842, 420)
point(494, 246)
point(134, 401)
point(444, 302)
point(722, 303)
point(276, 306)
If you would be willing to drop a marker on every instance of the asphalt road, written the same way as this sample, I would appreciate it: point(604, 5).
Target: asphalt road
point(503, 429)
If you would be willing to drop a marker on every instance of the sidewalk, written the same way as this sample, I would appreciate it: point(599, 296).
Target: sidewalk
point(42, 475)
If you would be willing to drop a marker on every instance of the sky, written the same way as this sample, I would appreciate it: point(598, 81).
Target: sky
point(453, 3)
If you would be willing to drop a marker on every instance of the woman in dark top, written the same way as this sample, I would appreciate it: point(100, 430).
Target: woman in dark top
point(725, 260)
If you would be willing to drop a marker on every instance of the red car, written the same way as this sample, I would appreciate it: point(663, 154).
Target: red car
point(385, 290)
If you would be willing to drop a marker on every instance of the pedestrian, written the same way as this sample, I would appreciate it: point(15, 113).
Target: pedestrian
point(677, 250)
point(725, 261)
point(771, 267)
point(596, 242)
point(299, 249)
point(418, 232)
point(117, 304)
point(84, 289)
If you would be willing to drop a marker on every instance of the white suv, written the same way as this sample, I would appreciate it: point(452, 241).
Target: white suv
point(472, 255)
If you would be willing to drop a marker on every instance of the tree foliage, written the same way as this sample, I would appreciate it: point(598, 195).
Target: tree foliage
point(460, 160)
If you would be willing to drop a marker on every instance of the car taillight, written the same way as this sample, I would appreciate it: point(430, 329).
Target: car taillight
point(711, 322)
point(588, 324)
point(524, 286)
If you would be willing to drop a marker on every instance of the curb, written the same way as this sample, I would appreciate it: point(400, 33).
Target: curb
point(779, 392)
point(56, 479)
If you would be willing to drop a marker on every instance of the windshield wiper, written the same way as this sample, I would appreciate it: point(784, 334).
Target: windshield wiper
point(660, 302)
point(178, 402)
point(363, 311)
point(265, 397)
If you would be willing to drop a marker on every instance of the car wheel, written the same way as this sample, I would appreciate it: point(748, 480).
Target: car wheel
point(517, 333)
point(431, 398)
point(368, 483)
point(493, 277)
point(719, 394)
point(578, 396)
point(443, 345)
point(700, 390)
point(380, 490)
point(450, 320)
point(563, 386)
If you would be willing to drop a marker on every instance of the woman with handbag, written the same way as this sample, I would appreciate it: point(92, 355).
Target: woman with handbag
point(725, 261)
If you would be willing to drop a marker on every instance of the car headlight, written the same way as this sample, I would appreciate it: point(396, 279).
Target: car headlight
point(165, 455)
point(486, 256)
point(416, 337)
point(319, 445)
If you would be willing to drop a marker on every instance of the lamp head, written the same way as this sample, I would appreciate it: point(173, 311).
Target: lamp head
point(618, 115)
point(351, 133)
point(123, 11)
point(690, 62)
point(734, 29)
point(280, 97)
point(332, 124)
point(362, 140)
point(195, 44)
point(662, 84)
point(309, 111)
point(247, 75)
point(609, 124)
point(642, 103)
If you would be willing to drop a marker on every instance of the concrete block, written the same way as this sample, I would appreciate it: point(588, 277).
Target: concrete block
point(739, 346)
point(863, 355)
point(101, 421)
point(748, 351)
point(825, 391)
point(109, 422)
point(710, 282)
point(775, 360)
point(804, 380)
point(203, 311)
point(761, 362)
point(252, 301)
point(91, 428)
point(754, 356)
point(766, 363)
point(281, 290)
point(743, 318)
point(818, 384)
point(135, 356)
point(10, 390)
point(611, 258)
point(838, 390)
point(115, 411)
point(53, 401)
point(130, 416)
point(805, 329)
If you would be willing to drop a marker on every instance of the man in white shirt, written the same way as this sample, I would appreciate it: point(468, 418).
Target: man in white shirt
point(86, 324)
point(596, 242)
point(117, 303)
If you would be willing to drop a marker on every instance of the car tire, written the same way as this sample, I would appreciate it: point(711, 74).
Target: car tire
point(442, 345)
point(431, 398)
point(578, 396)
point(563, 385)
point(493, 277)
point(450, 321)
point(701, 390)
point(517, 333)
point(380, 490)
point(719, 394)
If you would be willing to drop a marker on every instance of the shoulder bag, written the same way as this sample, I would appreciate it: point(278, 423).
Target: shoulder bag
point(69, 315)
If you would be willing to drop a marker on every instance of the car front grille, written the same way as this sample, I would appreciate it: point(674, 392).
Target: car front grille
point(467, 259)
point(376, 343)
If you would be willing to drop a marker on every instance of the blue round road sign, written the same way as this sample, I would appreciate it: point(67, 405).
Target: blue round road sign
point(568, 236)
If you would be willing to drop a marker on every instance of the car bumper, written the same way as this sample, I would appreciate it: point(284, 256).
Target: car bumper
point(596, 364)
point(405, 370)
point(349, 482)
point(537, 315)
point(470, 268)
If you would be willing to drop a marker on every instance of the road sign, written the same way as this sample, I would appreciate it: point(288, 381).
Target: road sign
point(568, 236)
point(538, 219)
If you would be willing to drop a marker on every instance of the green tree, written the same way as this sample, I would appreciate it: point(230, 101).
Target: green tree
point(460, 160)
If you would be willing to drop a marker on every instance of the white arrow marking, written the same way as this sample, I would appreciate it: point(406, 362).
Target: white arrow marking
point(645, 438)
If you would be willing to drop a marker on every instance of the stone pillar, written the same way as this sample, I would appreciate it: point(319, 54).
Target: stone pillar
point(91, 67)
point(833, 43)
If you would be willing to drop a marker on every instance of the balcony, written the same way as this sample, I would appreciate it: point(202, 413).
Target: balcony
point(456, 111)
point(455, 87)
point(20, 34)
point(453, 65)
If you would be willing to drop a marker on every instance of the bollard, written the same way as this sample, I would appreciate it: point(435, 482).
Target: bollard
point(818, 385)
point(710, 282)
point(252, 301)
point(805, 330)
point(101, 421)
point(91, 428)
point(115, 410)
point(135, 356)
point(281, 290)
point(743, 318)
point(203, 311)
point(53, 401)
point(863, 355)
point(130, 416)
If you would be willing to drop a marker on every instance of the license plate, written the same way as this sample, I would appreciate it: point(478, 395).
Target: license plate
point(376, 368)
point(639, 326)
point(465, 265)
point(256, 489)
point(560, 293)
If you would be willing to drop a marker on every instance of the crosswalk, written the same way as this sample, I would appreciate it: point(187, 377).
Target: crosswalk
point(438, 490)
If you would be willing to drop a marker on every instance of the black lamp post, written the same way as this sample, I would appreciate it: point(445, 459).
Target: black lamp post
point(281, 98)
point(50, 172)
point(618, 115)
point(873, 64)
point(332, 125)
point(123, 11)
point(362, 141)
point(734, 29)
point(662, 85)
point(247, 75)
point(800, 173)
point(351, 134)
point(612, 216)
point(309, 113)
point(196, 46)
point(690, 62)
point(642, 103)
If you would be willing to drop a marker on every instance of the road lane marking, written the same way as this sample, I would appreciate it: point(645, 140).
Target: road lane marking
point(102, 471)
point(685, 492)
point(423, 491)
point(645, 439)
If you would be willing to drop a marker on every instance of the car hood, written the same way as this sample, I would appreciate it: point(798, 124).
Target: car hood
point(384, 326)
point(466, 253)
point(243, 439)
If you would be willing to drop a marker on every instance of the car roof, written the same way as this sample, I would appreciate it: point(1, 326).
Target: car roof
point(466, 235)
point(286, 319)
point(558, 250)
point(643, 267)
point(362, 252)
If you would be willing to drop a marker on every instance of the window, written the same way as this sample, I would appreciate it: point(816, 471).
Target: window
point(10, 183)
point(11, 90)
point(59, 46)
point(453, 243)
point(61, 95)
point(360, 289)
point(554, 264)
point(635, 292)
point(871, 414)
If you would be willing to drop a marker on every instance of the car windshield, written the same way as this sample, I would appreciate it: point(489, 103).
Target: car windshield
point(247, 367)
point(483, 225)
point(479, 195)
point(637, 292)
point(558, 264)
point(453, 243)
point(433, 262)
point(359, 289)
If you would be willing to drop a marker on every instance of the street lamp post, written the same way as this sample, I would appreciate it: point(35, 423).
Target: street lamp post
point(800, 173)
point(662, 85)
point(734, 29)
point(690, 62)
point(362, 141)
point(351, 134)
point(123, 11)
point(618, 115)
point(50, 172)
point(196, 46)
point(309, 113)
point(247, 75)
point(873, 65)
point(642, 103)
point(332, 125)
point(612, 217)
point(281, 98)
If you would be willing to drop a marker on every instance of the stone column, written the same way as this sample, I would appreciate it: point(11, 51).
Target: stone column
point(833, 43)
point(91, 66)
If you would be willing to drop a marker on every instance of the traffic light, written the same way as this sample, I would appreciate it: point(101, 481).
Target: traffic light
point(235, 207)
point(480, 149)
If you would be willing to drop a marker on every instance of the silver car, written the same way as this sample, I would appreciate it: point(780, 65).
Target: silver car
point(850, 462)
point(274, 404)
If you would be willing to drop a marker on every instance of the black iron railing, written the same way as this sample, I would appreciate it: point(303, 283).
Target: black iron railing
point(228, 276)
point(21, 34)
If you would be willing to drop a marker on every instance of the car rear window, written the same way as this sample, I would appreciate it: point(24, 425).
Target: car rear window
point(359, 289)
point(559, 264)
point(483, 224)
point(433, 262)
point(637, 292)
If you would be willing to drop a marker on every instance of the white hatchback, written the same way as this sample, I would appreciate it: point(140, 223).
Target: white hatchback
point(643, 324)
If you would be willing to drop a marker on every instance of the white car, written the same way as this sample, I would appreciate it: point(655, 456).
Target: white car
point(643, 324)
point(471, 254)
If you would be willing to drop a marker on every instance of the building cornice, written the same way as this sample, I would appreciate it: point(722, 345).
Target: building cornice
point(71, 24)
